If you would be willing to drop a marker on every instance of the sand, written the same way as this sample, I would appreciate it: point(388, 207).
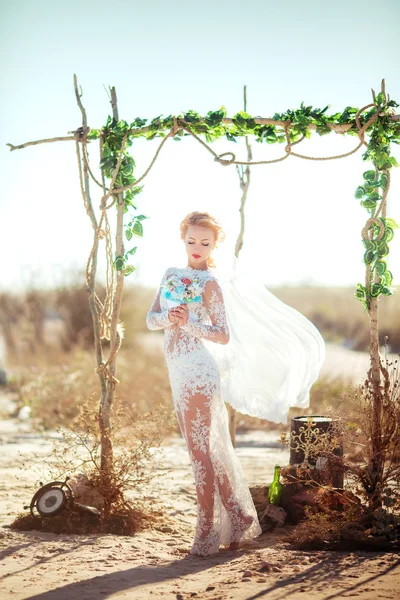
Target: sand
point(155, 563)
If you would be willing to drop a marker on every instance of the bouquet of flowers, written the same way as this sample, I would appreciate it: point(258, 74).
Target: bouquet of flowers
point(177, 290)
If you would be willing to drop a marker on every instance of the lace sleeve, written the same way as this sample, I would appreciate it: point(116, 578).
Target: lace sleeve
point(217, 332)
point(157, 318)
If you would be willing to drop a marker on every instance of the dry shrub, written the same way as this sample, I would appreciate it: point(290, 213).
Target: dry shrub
point(135, 305)
point(22, 321)
point(349, 530)
point(376, 431)
point(136, 441)
point(72, 305)
point(54, 384)
point(318, 531)
point(368, 419)
point(373, 425)
point(123, 521)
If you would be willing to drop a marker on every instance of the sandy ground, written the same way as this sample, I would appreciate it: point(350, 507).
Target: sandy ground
point(156, 564)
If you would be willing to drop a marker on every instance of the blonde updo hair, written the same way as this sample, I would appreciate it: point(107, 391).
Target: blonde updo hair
point(203, 219)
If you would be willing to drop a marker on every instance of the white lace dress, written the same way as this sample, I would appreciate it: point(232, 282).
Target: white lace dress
point(225, 508)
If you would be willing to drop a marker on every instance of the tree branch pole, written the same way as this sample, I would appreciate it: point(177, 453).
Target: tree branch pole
point(244, 179)
point(376, 461)
point(91, 283)
point(115, 330)
point(339, 128)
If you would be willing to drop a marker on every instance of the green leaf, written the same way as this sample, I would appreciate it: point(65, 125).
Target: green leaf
point(141, 217)
point(360, 192)
point(376, 290)
point(388, 222)
point(375, 196)
point(107, 163)
point(383, 181)
point(370, 244)
point(361, 295)
point(230, 137)
point(387, 291)
point(136, 190)
point(192, 117)
point(119, 263)
point(131, 252)
point(388, 278)
point(381, 267)
point(128, 234)
point(368, 204)
point(138, 122)
point(93, 134)
point(380, 99)
point(388, 235)
point(383, 249)
point(369, 175)
point(138, 229)
point(369, 256)
point(129, 269)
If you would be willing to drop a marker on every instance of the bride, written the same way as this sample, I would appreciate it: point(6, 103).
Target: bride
point(211, 358)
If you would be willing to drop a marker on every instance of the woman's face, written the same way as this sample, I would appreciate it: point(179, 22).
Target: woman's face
point(199, 243)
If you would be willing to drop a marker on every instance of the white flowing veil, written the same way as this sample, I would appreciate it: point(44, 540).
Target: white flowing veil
point(274, 354)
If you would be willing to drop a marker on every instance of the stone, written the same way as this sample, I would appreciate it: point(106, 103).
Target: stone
point(265, 566)
point(248, 574)
point(271, 517)
point(165, 529)
point(259, 493)
point(85, 492)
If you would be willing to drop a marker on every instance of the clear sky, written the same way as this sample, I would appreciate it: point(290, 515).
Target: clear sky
point(303, 222)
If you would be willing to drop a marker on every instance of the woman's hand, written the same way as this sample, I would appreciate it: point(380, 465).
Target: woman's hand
point(180, 314)
point(172, 317)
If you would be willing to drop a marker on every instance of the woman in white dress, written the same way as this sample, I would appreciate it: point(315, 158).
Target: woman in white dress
point(225, 510)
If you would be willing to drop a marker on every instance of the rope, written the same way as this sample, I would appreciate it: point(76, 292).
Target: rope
point(224, 162)
point(382, 205)
point(103, 366)
point(86, 157)
point(367, 229)
point(135, 183)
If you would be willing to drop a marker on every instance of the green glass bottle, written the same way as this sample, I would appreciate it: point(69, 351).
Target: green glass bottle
point(276, 488)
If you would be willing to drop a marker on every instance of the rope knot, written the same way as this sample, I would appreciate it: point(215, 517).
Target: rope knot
point(175, 127)
point(225, 161)
point(368, 225)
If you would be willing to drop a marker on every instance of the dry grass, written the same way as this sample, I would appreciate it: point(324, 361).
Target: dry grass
point(25, 318)
point(52, 362)
point(342, 318)
point(56, 383)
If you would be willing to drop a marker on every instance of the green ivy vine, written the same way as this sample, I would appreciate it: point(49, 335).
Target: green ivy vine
point(212, 126)
point(370, 193)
